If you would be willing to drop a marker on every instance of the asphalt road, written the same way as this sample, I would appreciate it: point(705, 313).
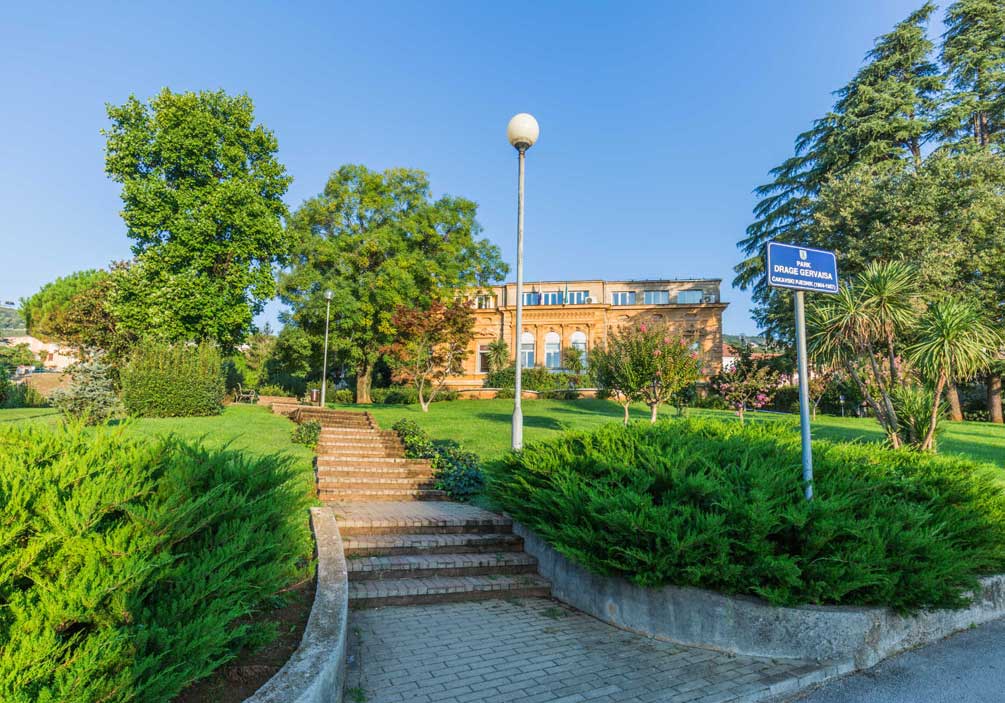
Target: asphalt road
point(966, 668)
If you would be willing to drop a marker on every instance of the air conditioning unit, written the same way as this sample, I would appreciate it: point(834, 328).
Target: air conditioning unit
point(590, 300)
point(708, 299)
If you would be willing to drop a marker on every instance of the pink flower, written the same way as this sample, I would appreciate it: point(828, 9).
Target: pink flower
point(642, 327)
point(666, 340)
point(656, 352)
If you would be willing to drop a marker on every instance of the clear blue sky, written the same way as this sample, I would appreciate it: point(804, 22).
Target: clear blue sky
point(657, 118)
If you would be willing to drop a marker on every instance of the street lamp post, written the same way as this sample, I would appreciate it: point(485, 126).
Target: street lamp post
point(522, 132)
point(324, 364)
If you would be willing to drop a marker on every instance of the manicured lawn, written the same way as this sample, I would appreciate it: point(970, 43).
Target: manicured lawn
point(246, 428)
point(483, 426)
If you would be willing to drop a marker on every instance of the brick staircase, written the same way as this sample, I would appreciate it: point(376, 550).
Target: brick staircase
point(405, 543)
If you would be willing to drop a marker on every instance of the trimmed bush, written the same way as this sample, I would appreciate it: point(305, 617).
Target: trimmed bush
point(307, 433)
point(173, 380)
point(273, 390)
point(405, 395)
point(129, 568)
point(343, 396)
point(455, 471)
point(719, 505)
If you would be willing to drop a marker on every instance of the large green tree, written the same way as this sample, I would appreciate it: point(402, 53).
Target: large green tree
point(202, 194)
point(379, 242)
point(973, 52)
point(888, 111)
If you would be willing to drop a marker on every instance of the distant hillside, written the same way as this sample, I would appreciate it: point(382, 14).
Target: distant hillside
point(736, 340)
point(10, 318)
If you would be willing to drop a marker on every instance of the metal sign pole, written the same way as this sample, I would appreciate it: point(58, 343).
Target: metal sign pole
point(804, 395)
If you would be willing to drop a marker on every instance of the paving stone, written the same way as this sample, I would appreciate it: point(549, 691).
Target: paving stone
point(531, 656)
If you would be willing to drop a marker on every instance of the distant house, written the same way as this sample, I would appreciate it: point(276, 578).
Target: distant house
point(52, 355)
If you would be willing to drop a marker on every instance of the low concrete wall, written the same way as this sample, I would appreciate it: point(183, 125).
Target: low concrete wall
point(316, 671)
point(750, 626)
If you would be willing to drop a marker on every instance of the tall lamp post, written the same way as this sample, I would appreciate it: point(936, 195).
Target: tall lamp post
point(522, 132)
point(324, 364)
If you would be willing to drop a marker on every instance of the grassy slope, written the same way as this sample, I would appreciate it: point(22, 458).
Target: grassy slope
point(483, 425)
point(245, 428)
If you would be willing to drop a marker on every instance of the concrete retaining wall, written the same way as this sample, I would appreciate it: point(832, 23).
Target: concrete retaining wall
point(750, 626)
point(316, 671)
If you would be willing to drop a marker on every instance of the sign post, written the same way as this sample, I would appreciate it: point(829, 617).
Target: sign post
point(802, 269)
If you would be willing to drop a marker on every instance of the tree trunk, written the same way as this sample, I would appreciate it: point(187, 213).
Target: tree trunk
point(740, 413)
point(929, 443)
point(364, 374)
point(625, 406)
point(953, 396)
point(653, 412)
point(995, 398)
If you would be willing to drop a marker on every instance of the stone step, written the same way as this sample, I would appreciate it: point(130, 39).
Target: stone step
point(390, 545)
point(443, 589)
point(366, 495)
point(349, 455)
point(328, 461)
point(377, 442)
point(357, 520)
point(373, 483)
point(438, 565)
point(376, 472)
point(356, 434)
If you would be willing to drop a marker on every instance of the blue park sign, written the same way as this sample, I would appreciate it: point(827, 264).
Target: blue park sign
point(802, 268)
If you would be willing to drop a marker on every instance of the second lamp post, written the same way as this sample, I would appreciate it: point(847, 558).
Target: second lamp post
point(324, 364)
point(522, 132)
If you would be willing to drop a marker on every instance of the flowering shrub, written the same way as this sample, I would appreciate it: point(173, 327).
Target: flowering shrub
point(744, 387)
point(645, 363)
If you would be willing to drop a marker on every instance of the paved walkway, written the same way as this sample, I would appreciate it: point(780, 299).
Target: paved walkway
point(534, 650)
point(966, 668)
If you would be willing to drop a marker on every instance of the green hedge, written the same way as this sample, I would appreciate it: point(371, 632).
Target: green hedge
point(406, 395)
point(173, 380)
point(719, 505)
point(128, 568)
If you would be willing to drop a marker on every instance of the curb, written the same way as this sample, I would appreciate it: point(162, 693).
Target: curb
point(846, 636)
point(316, 671)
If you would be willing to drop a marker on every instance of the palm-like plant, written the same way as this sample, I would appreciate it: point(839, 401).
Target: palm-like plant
point(862, 323)
point(498, 354)
point(955, 342)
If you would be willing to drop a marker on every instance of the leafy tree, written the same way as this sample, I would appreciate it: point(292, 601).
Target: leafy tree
point(954, 343)
point(431, 346)
point(749, 383)
point(574, 361)
point(17, 355)
point(203, 202)
point(379, 242)
point(973, 52)
point(646, 363)
point(888, 111)
point(47, 313)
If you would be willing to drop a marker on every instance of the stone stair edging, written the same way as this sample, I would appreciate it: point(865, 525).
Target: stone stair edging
point(847, 637)
point(315, 673)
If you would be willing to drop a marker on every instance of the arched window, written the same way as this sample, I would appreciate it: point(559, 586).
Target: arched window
point(553, 350)
point(578, 342)
point(527, 350)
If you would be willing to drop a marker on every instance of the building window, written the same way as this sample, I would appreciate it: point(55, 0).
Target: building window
point(578, 297)
point(553, 297)
point(623, 297)
point(527, 350)
point(484, 302)
point(578, 342)
point(657, 297)
point(533, 298)
point(690, 297)
point(483, 358)
point(553, 350)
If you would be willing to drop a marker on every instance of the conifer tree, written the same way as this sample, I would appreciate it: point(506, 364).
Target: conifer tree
point(887, 111)
point(973, 52)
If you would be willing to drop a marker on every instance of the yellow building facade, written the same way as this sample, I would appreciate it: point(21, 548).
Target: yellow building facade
point(581, 314)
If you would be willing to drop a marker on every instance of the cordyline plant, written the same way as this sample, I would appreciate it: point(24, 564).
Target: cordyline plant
point(431, 346)
point(880, 331)
point(645, 363)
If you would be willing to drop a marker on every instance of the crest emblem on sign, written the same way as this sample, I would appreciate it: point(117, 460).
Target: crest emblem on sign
point(802, 254)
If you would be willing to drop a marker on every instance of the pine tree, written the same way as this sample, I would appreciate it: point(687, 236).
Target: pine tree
point(889, 110)
point(973, 52)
